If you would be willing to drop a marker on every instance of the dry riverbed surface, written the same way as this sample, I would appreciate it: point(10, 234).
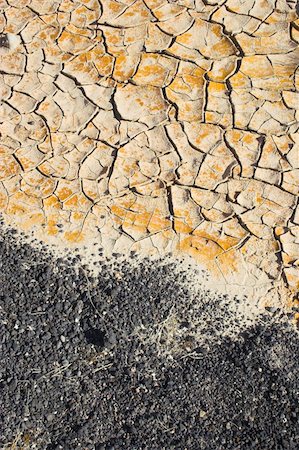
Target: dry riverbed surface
point(149, 249)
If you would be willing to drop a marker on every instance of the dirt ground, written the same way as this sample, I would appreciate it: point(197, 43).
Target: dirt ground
point(135, 359)
point(155, 126)
point(149, 249)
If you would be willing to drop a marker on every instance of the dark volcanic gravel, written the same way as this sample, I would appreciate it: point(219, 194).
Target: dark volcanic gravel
point(83, 364)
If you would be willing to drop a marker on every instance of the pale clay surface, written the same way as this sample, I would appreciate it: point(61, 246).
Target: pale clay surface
point(155, 126)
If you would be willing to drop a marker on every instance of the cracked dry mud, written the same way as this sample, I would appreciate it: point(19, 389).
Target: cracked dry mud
point(155, 126)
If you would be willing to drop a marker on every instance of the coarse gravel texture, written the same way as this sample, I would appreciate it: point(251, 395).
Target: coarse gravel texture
point(114, 361)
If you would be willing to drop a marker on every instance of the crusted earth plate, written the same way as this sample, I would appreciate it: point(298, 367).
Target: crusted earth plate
point(155, 126)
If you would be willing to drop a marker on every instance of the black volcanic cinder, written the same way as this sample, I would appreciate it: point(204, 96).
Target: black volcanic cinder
point(4, 41)
point(76, 372)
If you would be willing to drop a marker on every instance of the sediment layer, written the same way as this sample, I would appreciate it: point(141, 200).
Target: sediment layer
point(155, 126)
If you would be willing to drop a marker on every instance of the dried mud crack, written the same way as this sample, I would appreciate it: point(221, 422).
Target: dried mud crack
point(154, 126)
point(152, 147)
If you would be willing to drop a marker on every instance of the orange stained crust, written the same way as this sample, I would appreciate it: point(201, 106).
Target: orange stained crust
point(41, 188)
point(210, 253)
point(74, 236)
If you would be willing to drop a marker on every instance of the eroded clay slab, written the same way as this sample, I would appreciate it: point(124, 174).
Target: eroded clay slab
point(155, 126)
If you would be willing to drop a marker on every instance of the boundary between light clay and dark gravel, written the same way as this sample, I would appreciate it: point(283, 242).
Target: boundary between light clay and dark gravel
point(134, 358)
